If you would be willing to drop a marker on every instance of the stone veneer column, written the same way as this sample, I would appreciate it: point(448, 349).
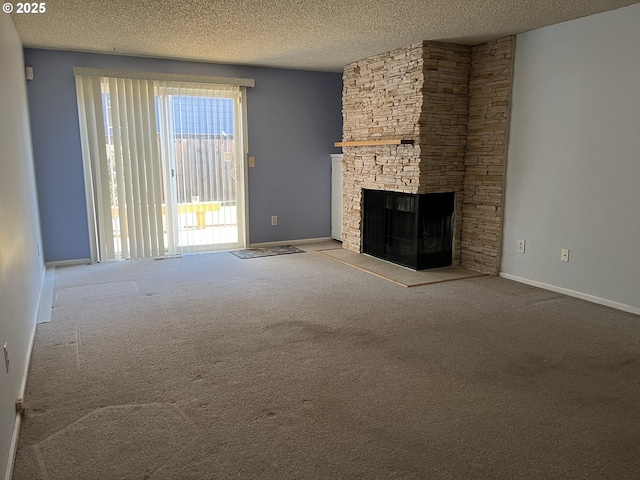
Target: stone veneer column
point(486, 153)
point(381, 99)
point(420, 93)
point(443, 120)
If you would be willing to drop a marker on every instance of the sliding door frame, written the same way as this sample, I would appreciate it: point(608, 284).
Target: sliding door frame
point(169, 168)
point(245, 161)
point(89, 79)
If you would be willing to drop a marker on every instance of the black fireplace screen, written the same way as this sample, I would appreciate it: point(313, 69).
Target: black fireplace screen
point(412, 230)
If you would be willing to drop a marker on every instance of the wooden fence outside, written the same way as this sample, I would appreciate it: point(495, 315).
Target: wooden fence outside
point(205, 170)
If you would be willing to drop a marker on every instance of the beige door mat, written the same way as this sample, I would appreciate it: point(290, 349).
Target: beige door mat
point(395, 273)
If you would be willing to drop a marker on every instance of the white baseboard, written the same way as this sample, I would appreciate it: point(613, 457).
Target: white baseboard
point(13, 446)
point(289, 242)
point(572, 293)
point(68, 263)
point(46, 295)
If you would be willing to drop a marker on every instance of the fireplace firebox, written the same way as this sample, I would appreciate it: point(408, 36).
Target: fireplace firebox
point(413, 230)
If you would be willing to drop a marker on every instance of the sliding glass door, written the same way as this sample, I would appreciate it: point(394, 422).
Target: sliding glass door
point(201, 144)
point(167, 176)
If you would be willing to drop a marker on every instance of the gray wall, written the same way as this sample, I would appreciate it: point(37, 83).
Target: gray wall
point(573, 174)
point(21, 266)
point(293, 119)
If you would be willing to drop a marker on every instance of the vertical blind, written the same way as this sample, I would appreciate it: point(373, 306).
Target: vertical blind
point(160, 166)
point(120, 144)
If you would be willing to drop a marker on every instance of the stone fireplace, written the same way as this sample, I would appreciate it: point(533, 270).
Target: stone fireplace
point(431, 118)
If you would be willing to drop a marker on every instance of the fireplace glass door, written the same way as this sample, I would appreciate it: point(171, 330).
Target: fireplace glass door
point(411, 230)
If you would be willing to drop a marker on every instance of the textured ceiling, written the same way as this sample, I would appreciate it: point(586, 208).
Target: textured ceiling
point(304, 34)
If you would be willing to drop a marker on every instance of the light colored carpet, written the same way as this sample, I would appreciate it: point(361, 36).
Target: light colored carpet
point(300, 367)
point(109, 289)
point(396, 273)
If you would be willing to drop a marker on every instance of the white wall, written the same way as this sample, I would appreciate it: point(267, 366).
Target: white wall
point(21, 268)
point(573, 174)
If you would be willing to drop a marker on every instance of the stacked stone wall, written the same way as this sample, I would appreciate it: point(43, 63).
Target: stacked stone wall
point(452, 103)
point(486, 154)
point(387, 97)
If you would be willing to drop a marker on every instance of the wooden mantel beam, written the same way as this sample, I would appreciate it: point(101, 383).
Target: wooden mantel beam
point(368, 143)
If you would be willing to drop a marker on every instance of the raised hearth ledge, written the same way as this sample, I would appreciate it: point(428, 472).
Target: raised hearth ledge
point(398, 274)
point(367, 143)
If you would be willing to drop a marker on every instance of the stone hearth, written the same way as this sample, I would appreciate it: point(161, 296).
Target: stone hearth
point(452, 101)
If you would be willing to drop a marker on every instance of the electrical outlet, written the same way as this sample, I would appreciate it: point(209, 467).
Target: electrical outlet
point(274, 221)
point(6, 356)
point(521, 245)
point(564, 255)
